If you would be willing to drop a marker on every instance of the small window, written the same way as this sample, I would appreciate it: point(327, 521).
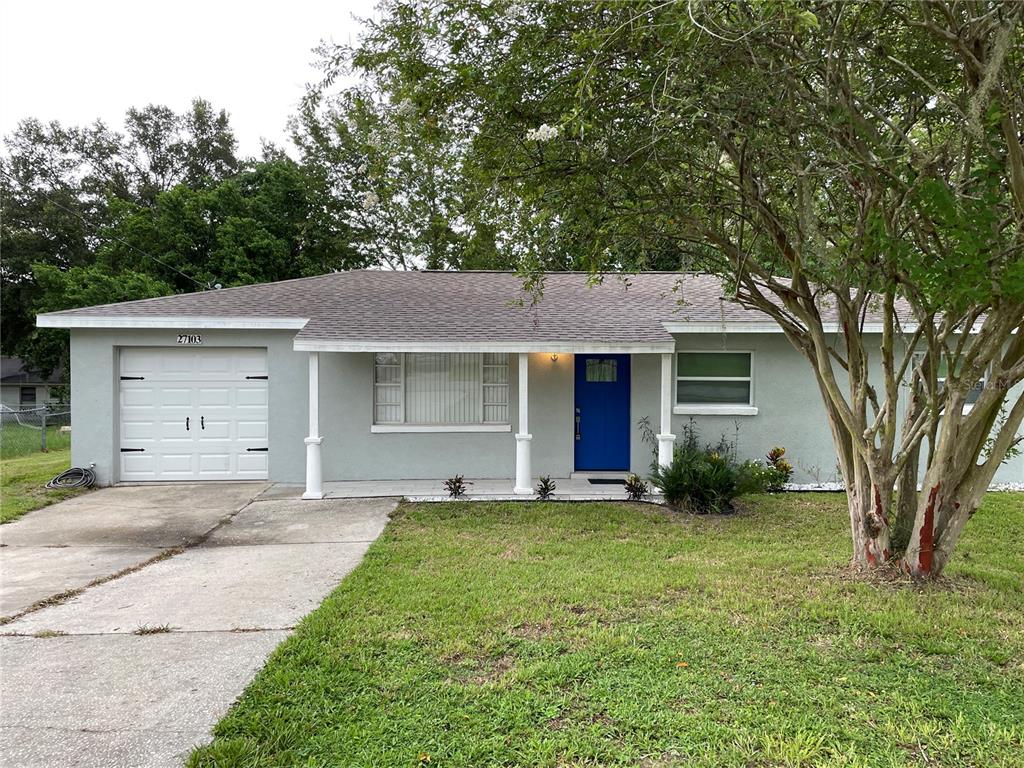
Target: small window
point(602, 370)
point(714, 378)
point(28, 395)
point(972, 394)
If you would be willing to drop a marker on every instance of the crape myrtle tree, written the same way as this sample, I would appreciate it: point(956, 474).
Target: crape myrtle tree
point(854, 171)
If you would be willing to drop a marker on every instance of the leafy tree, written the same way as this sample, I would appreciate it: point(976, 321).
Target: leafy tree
point(833, 162)
point(265, 224)
point(57, 186)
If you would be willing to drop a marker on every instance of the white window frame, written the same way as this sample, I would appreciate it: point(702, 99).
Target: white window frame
point(392, 427)
point(941, 380)
point(714, 409)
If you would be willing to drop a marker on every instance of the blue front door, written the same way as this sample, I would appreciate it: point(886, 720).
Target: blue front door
point(602, 412)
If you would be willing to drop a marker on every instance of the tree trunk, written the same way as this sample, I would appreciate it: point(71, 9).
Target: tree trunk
point(906, 503)
point(869, 504)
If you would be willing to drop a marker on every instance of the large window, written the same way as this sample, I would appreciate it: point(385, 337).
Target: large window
point(714, 379)
point(440, 389)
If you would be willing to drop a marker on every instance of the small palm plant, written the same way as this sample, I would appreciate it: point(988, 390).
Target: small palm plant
point(545, 488)
point(456, 486)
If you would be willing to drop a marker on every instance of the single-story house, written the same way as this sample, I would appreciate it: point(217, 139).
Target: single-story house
point(376, 375)
point(22, 389)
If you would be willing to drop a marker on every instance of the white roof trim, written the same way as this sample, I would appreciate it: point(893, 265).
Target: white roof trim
point(59, 320)
point(559, 347)
point(760, 326)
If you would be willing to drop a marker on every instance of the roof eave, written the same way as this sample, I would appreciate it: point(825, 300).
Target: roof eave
point(547, 347)
point(61, 320)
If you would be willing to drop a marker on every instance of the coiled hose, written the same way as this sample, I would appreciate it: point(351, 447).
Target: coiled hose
point(76, 477)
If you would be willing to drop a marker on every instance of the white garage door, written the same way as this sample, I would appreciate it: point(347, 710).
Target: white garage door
point(198, 413)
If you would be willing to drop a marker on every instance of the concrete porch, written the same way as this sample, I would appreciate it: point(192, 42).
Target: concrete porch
point(496, 489)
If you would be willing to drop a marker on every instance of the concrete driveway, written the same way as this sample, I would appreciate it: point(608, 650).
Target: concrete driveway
point(141, 613)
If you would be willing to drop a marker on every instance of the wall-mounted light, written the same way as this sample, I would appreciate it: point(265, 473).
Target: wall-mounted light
point(554, 357)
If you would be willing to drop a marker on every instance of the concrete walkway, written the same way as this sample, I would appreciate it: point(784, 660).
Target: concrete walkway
point(201, 584)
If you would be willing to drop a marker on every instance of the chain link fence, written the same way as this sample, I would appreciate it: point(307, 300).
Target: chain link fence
point(33, 430)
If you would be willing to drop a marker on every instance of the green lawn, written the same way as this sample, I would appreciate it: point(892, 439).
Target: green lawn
point(610, 634)
point(20, 440)
point(22, 482)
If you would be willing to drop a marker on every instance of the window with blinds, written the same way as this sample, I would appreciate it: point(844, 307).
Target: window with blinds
point(439, 388)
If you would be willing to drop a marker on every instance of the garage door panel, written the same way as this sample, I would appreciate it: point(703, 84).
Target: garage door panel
point(216, 430)
point(214, 397)
point(251, 397)
point(252, 465)
point(212, 463)
point(252, 430)
point(137, 466)
point(226, 412)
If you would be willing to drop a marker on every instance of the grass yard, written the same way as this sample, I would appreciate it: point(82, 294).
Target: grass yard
point(22, 482)
point(552, 634)
point(20, 440)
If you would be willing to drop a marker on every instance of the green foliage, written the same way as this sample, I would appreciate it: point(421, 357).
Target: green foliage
point(456, 486)
point(545, 488)
point(637, 488)
point(705, 478)
point(91, 216)
point(507, 634)
point(23, 480)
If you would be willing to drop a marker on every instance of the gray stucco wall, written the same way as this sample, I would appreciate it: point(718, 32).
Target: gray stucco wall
point(352, 452)
point(790, 412)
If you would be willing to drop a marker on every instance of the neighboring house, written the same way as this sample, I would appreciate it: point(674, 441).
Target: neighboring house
point(423, 375)
point(20, 389)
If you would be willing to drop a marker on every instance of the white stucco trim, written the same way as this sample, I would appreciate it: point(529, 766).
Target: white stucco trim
point(57, 320)
point(715, 410)
point(545, 347)
point(388, 428)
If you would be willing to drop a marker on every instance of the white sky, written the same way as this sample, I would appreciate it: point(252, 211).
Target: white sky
point(79, 61)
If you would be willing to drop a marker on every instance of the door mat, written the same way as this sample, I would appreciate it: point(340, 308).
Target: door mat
point(605, 481)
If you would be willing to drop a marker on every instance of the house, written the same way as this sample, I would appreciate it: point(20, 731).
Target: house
point(374, 375)
point(21, 389)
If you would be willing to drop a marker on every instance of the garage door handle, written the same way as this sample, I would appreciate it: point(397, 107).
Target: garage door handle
point(133, 450)
point(202, 422)
point(186, 423)
point(256, 449)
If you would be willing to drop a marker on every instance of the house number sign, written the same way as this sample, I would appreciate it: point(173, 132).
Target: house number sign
point(190, 338)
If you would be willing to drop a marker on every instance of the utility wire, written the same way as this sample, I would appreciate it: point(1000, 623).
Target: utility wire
point(124, 242)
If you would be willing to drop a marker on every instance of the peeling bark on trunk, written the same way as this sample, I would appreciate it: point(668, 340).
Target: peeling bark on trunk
point(869, 506)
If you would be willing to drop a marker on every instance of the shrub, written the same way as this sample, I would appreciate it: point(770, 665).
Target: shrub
point(779, 471)
point(636, 488)
point(545, 488)
point(456, 486)
point(707, 478)
point(702, 480)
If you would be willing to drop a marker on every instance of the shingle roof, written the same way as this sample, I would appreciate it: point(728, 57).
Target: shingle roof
point(13, 371)
point(454, 307)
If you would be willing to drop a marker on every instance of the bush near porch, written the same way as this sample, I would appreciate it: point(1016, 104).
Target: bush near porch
point(554, 634)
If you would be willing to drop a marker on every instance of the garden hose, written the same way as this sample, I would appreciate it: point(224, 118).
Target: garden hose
point(76, 477)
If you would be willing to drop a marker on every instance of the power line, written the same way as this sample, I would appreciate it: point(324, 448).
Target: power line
point(85, 221)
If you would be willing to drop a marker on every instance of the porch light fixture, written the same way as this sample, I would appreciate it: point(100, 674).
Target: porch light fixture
point(554, 357)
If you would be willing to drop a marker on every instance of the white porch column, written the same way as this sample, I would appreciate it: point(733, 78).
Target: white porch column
point(666, 440)
point(314, 473)
point(523, 436)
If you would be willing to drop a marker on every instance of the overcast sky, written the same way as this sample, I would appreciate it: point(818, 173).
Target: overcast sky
point(79, 61)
